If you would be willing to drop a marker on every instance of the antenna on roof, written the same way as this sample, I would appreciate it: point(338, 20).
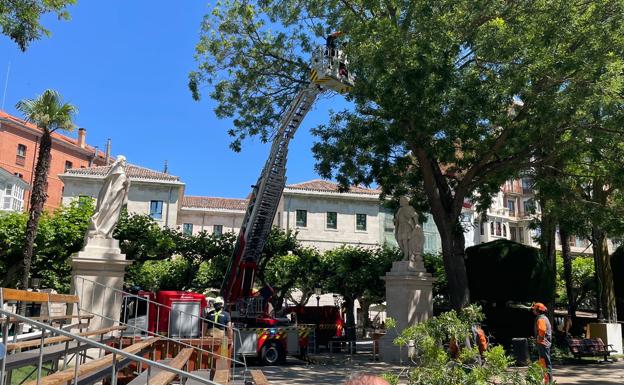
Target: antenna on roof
point(6, 85)
point(166, 167)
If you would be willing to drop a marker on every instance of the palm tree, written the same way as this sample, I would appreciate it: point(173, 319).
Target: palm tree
point(48, 112)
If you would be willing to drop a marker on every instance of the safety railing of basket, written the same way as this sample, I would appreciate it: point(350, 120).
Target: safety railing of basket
point(6, 315)
point(83, 283)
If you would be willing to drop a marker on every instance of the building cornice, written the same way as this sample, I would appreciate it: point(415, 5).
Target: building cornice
point(331, 194)
point(64, 177)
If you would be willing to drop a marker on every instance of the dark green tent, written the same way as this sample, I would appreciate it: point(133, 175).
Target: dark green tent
point(617, 266)
point(504, 270)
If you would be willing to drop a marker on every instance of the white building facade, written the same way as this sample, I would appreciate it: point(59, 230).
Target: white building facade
point(151, 192)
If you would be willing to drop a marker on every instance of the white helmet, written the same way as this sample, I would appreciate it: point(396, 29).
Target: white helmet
point(218, 300)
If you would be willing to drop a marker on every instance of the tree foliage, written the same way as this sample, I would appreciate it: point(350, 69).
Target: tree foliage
point(583, 283)
point(60, 234)
point(436, 366)
point(452, 97)
point(20, 19)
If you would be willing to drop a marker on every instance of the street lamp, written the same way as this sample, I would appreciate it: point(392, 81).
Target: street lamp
point(317, 291)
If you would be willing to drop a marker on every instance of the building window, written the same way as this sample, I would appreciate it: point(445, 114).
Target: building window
point(68, 165)
point(504, 230)
point(527, 186)
point(187, 229)
point(13, 198)
point(217, 230)
point(498, 229)
point(332, 220)
point(521, 234)
point(529, 206)
point(491, 228)
point(512, 234)
point(156, 208)
point(360, 222)
point(302, 218)
point(20, 158)
point(511, 205)
point(388, 223)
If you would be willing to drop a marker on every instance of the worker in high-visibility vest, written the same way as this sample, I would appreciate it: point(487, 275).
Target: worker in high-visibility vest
point(219, 318)
point(543, 338)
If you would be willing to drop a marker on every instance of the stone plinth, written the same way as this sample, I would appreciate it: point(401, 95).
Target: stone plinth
point(97, 270)
point(609, 333)
point(409, 300)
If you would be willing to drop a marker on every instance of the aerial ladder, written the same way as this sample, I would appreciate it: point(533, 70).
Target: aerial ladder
point(329, 71)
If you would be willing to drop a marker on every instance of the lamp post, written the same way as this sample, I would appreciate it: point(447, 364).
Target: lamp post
point(317, 291)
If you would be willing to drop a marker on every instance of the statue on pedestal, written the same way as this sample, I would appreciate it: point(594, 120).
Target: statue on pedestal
point(408, 232)
point(112, 197)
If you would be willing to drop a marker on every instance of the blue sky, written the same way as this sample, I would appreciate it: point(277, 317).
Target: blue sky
point(125, 65)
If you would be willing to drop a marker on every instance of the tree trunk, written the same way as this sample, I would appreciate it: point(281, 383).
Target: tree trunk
point(349, 307)
point(37, 200)
point(567, 271)
point(453, 256)
point(365, 322)
point(604, 277)
point(547, 241)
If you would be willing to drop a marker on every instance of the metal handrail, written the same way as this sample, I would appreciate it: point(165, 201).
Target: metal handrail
point(98, 345)
point(156, 333)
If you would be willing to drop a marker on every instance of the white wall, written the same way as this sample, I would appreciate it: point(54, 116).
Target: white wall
point(316, 232)
point(139, 197)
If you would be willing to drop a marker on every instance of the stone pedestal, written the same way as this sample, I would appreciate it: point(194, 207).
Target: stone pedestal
point(609, 333)
point(409, 300)
point(97, 270)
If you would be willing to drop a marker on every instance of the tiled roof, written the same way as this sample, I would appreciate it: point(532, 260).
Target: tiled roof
point(214, 203)
point(327, 186)
point(134, 172)
point(55, 135)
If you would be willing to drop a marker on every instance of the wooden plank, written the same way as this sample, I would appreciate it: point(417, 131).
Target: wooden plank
point(66, 298)
point(258, 377)
point(54, 340)
point(222, 376)
point(59, 378)
point(23, 295)
point(164, 377)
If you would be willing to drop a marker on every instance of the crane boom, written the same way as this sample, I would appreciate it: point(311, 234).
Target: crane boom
point(327, 73)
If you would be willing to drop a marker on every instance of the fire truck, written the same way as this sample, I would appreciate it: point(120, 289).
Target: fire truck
point(263, 335)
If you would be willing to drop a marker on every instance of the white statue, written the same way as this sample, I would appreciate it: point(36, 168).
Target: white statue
point(112, 197)
point(408, 232)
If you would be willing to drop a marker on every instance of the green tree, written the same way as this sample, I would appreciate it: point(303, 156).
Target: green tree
point(300, 269)
point(582, 282)
point(436, 366)
point(354, 272)
point(48, 112)
point(20, 19)
point(452, 97)
point(60, 234)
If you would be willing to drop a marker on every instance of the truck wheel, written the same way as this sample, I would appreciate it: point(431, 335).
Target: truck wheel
point(271, 353)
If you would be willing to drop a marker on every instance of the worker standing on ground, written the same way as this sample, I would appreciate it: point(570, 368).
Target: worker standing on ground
point(543, 337)
point(220, 322)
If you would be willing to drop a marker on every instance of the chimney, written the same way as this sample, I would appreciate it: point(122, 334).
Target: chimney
point(108, 151)
point(94, 157)
point(166, 168)
point(82, 137)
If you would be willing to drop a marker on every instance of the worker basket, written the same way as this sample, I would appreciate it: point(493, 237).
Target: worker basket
point(330, 70)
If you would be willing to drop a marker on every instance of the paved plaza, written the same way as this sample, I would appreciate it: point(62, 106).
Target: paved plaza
point(335, 371)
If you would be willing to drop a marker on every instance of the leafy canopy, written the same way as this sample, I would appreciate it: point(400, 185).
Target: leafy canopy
point(20, 19)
